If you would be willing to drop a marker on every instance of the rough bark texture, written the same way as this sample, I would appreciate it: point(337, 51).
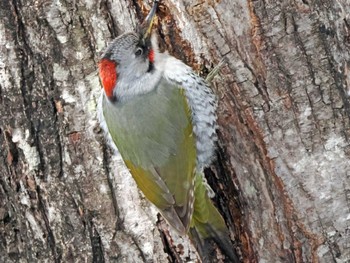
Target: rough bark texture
point(283, 172)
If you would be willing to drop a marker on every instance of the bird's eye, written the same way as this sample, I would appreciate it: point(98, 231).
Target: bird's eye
point(138, 52)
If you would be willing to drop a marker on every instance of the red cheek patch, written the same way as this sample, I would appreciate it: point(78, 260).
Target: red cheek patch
point(151, 56)
point(108, 76)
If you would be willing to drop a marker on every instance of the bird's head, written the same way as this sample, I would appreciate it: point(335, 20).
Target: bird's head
point(129, 56)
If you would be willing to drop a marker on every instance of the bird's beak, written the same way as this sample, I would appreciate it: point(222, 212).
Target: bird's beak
point(147, 24)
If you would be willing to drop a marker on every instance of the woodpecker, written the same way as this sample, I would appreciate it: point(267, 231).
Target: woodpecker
point(162, 118)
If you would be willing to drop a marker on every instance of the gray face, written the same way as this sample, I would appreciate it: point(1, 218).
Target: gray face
point(130, 53)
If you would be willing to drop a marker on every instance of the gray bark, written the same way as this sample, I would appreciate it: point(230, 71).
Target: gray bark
point(282, 172)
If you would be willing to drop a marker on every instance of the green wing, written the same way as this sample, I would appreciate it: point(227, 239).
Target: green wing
point(154, 135)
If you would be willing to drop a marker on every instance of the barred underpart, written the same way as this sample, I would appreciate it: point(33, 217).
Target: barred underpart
point(203, 105)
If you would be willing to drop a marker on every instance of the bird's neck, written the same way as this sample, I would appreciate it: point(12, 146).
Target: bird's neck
point(129, 87)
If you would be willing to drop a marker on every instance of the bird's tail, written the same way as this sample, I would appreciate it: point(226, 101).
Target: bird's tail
point(207, 225)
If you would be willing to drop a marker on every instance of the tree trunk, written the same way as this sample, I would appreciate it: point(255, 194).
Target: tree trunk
point(282, 175)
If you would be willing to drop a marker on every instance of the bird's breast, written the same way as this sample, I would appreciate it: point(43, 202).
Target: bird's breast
point(148, 128)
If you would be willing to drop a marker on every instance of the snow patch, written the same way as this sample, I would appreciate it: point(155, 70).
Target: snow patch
point(62, 39)
point(53, 215)
point(24, 199)
point(36, 230)
point(30, 152)
point(67, 158)
point(60, 73)
point(68, 98)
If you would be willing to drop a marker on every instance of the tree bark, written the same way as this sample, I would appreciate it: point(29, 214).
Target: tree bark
point(282, 175)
